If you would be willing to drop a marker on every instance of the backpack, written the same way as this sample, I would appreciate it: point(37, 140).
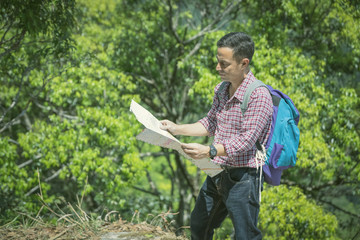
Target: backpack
point(283, 142)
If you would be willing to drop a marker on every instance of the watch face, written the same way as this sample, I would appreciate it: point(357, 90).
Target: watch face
point(213, 151)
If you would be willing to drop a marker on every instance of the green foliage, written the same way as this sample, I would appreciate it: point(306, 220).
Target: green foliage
point(323, 61)
point(285, 215)
point(344, 133)
point(49, 21)
point(208, 77)
point(328, 157)
point(289, 70)
point(9, 174)
point(327, 30)
point(77, 132)
point(64, 118)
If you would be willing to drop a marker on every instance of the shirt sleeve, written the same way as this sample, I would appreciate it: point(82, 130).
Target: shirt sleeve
point(209, 121)
point(257, 117)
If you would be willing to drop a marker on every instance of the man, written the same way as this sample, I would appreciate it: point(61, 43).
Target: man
point(235, 191)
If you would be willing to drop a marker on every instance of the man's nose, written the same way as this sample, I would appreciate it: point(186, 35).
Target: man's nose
point(218, 68)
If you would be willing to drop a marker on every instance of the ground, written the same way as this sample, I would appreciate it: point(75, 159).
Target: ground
point(120, 230)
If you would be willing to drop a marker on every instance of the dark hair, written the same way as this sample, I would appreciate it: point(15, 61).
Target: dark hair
point(241, 44)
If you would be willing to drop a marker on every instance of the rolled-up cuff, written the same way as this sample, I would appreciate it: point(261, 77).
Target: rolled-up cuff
point(228, 149)
point(206, 123)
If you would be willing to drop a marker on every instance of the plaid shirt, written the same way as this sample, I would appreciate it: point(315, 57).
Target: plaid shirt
point(238, 133)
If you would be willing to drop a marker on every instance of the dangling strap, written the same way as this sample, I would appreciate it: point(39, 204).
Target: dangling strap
point(260, 159)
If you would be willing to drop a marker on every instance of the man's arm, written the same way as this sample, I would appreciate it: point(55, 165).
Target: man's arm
point(205, 127)
point(199, 151)
point(194, 150)
point(194, 129)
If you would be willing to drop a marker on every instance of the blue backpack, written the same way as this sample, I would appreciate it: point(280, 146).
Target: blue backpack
point(282, 144)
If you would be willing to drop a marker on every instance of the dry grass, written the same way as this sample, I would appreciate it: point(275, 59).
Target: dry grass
point(63, 231)
point(75, 223)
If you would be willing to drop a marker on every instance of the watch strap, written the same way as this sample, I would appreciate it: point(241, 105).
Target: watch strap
point(213, 151)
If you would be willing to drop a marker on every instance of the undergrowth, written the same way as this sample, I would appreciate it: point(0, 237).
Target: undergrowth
point(72, 222)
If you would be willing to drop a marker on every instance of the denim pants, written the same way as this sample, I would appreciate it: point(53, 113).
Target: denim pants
point(235, 192)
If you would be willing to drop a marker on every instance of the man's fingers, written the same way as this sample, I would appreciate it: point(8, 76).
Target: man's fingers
point(194, 150)
point(190, 151)
point(191, 154)
point(164, 124)
point(188, 146)
point(184, 146)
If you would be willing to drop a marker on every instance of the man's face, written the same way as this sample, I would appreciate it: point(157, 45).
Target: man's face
point(229, 69)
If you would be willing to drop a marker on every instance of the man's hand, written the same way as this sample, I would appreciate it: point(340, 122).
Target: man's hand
point(195, 150)
point(169, 126)
point(194, 129)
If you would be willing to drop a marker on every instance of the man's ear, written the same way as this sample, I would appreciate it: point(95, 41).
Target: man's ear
point(245, 62)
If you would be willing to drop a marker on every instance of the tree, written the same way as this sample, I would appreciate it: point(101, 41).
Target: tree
point(33, 34)
point(67, 131)
point(282, 65)
point(285, 214)
point(325, 32)
point(158, 48)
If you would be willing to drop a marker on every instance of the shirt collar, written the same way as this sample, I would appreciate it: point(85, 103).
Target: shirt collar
point(240, 91)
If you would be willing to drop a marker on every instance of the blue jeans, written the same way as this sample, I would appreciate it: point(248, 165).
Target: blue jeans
point(235, 192)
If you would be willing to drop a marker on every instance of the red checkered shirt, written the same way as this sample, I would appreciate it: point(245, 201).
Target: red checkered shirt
point(238, 133)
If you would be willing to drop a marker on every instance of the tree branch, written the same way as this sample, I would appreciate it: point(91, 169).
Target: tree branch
point(45, 80)
point(15, 120)
point(24, 164)
point(57, 173)
point(171, 24)
point(309, 190)
point(153, 154)
point(170, 165)
point(159, 93)
point(183, 101)
point(16, 98)
point(152, 184)
point(60, 112)
point(356, 235)
point(14, 45)
point(337, 182)
point(6, 31)
point(194, 50)
point(340, 209)
point(209, 27)
point(13, 141)
point(145, 79)
point(146, 191)
point(185, 174)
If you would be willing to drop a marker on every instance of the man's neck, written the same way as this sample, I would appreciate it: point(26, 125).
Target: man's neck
point(234, 86)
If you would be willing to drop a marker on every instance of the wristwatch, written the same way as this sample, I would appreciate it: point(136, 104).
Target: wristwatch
point(212, 152)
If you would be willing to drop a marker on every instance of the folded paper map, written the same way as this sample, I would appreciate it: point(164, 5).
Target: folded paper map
point(153, 134)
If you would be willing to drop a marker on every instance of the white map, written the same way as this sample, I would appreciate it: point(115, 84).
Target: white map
point(154, 135)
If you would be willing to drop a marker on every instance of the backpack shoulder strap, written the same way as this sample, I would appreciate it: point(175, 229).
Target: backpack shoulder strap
point(221, 88)
point(244, 105)
point(248, 92)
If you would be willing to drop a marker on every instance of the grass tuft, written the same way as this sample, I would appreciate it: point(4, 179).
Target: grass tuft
point(72, 222)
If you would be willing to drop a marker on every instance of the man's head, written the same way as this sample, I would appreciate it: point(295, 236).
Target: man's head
point(235, 51)
point(241, 44)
